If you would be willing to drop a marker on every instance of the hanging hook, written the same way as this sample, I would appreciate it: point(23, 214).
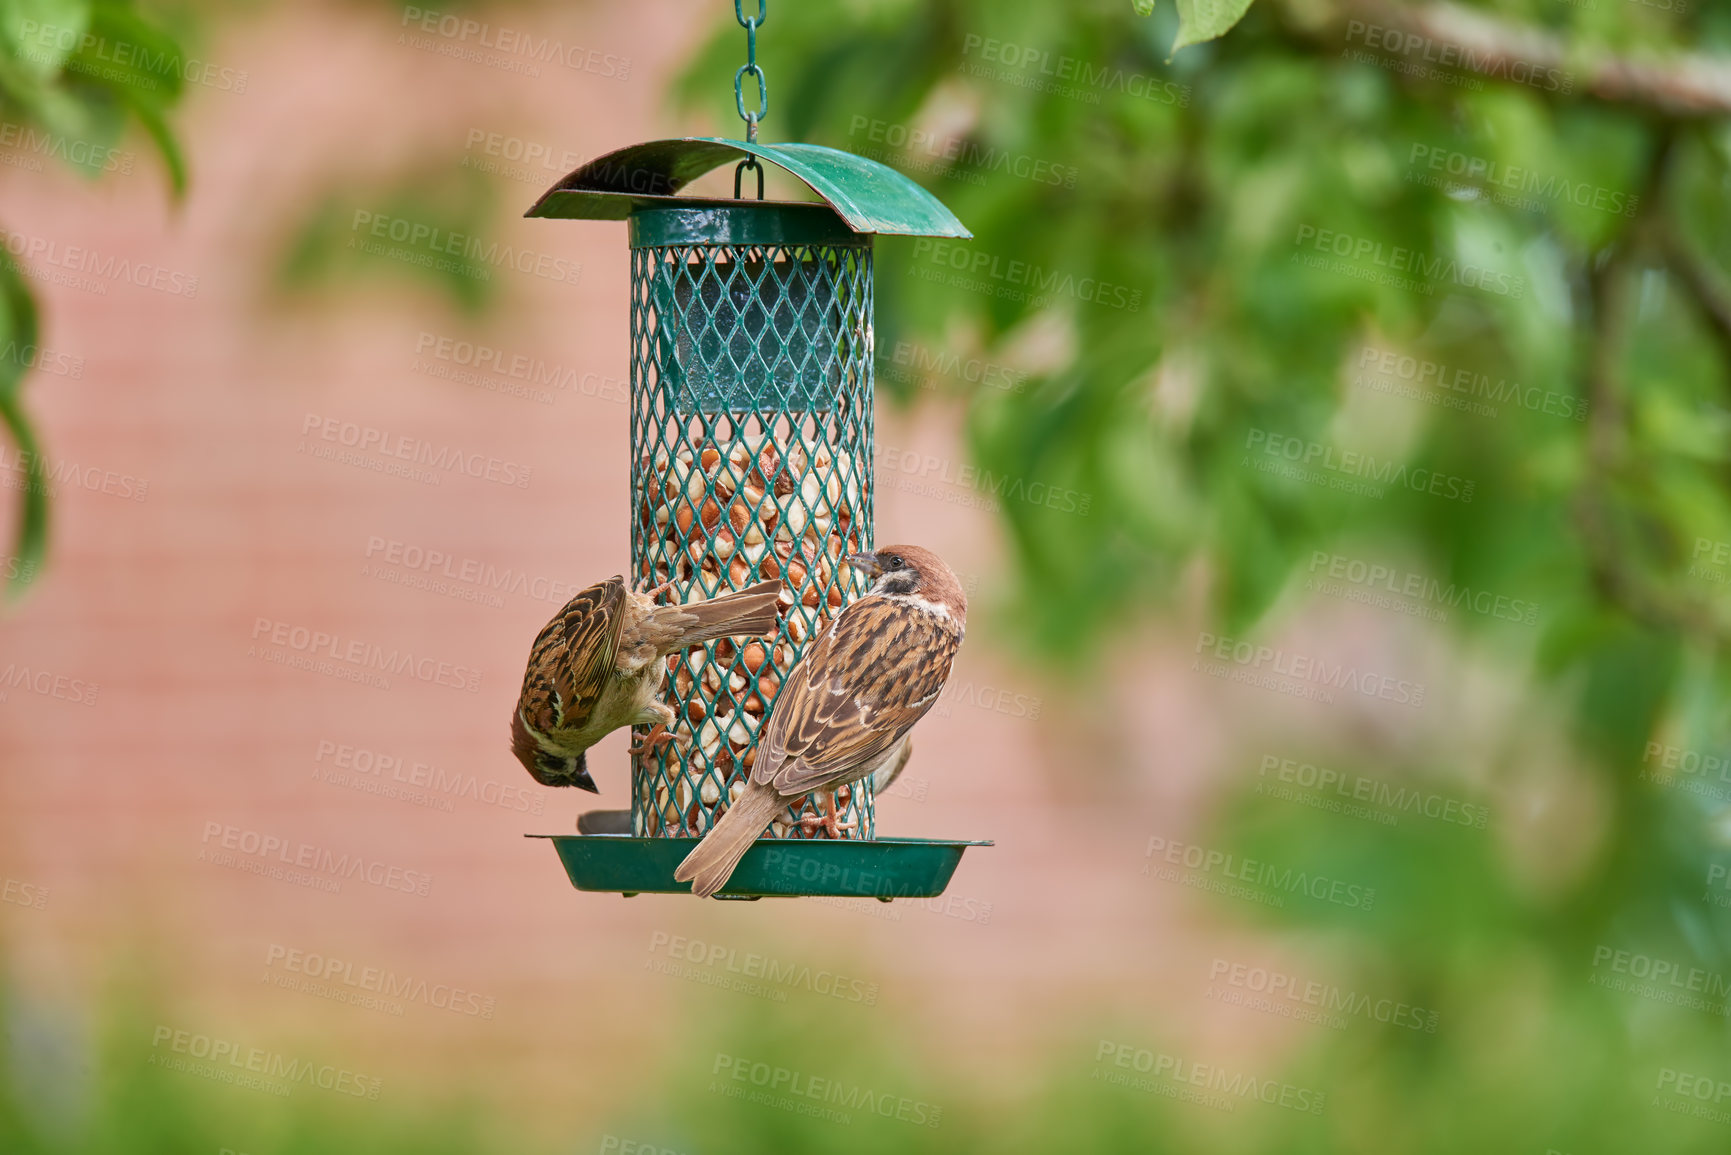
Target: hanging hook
point(749, 162)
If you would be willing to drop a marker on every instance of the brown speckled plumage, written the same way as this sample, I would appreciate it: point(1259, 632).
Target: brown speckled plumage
point(596, 667)
point(846, 709)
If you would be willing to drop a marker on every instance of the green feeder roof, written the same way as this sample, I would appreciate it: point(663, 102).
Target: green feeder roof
point(870, 197)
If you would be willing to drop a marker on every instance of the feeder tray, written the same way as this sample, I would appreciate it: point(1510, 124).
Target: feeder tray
point(751, 458)
point(883, 868)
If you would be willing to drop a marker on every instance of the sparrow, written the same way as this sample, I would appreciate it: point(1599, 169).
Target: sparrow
point(597, 666)
point(884, 776)
point(845, 710)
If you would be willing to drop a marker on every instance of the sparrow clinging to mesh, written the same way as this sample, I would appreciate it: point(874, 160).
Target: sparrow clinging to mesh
point(598, 666)
point(845, 710)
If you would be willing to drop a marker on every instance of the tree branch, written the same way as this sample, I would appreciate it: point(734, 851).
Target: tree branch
point(1612, 561)
point(1702, 283)
point(1680, 85)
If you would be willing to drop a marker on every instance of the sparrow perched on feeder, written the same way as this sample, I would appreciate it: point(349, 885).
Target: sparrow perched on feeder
point(598, 666)
point(845, 710)
point(884, 776)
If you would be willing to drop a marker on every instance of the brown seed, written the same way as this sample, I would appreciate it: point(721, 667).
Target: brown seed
point(754, 706)
point(753, 656)
point(709, 457)
point(696, 711)
point(711, 514)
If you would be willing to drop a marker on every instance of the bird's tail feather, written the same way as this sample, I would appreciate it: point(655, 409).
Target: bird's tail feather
point(711, 862)
point(750, 613)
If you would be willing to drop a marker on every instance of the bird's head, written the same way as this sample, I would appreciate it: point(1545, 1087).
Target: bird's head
point(548, 766)
point(913, 571)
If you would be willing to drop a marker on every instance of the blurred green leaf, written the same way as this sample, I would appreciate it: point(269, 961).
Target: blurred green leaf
point(1200, 20)
point(19, 337)
point(429, 226)
point(74, 70)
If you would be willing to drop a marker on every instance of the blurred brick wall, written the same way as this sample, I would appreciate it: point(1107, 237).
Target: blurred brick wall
point(214, 401)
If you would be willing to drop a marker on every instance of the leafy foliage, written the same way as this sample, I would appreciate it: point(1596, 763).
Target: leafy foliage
point(1309, 297)
point(79, 71)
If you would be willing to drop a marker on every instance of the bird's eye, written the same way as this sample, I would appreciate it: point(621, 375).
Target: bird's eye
point(894, 560)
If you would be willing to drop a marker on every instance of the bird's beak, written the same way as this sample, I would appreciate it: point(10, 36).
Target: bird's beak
point(580, 778)
point(865, 562)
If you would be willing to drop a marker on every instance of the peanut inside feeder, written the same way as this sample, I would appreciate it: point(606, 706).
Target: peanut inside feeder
point(751, 433)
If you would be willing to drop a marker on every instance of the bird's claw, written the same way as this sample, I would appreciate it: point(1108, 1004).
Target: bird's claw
point(659, 739)
point(654, 594)
point(831, 826)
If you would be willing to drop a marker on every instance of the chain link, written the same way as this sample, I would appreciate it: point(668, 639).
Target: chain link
point(751, 68)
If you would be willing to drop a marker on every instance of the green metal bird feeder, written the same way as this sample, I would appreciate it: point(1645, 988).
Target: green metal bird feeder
point(751, 458)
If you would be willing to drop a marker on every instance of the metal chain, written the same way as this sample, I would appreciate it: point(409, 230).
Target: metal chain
point(755, 71)
point(751, 68)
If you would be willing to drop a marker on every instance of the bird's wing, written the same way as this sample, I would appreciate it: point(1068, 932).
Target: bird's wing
point(573, 657)
point(862, 685)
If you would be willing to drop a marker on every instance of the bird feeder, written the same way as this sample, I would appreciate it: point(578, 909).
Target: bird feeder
point(750, 459)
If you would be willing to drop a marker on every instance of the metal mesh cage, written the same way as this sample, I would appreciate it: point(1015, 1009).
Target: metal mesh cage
point(751, 433)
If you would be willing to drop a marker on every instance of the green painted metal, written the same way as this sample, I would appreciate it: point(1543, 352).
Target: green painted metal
point(870, 197)
point(751, 427)
point(883, 869)
point(741, 223)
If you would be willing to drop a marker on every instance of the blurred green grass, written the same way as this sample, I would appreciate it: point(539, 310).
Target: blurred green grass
point(1524, 1058)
